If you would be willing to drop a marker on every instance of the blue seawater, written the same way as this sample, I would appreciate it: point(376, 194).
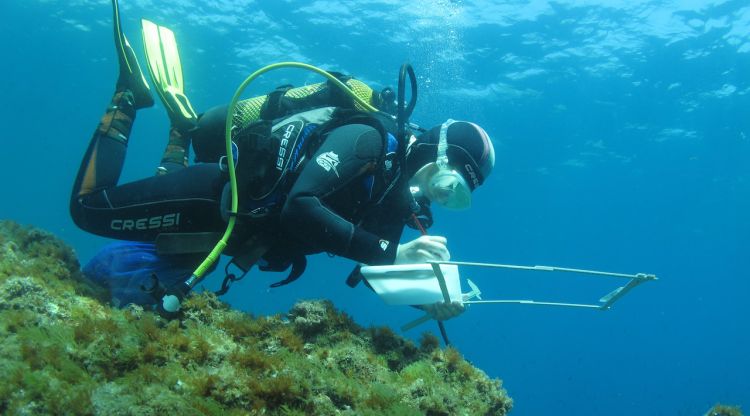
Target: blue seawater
point(622, 131)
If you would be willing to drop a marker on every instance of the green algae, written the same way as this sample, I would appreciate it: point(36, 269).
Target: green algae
point(64, 350)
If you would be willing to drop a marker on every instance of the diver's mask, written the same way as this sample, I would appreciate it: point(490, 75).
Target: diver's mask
point(439, 182)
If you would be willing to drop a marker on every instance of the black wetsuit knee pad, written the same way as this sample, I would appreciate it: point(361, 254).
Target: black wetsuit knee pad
point(208, 138)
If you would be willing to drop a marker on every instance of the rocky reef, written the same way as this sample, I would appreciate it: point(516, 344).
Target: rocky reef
point(64, 350)
point(724, 410)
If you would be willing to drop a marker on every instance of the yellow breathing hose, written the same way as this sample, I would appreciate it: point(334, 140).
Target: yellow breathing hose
point(214, 255)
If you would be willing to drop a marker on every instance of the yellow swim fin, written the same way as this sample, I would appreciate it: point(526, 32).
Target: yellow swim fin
point(166, 73)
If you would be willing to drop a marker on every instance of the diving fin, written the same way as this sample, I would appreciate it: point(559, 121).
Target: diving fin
point(131, 77)
point(166, 73)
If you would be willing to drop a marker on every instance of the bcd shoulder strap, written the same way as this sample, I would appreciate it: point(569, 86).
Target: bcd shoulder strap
point(271, 108)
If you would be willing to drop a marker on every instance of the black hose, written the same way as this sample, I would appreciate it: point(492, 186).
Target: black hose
point(403, 114)
point(400, 122)
point(413, 97)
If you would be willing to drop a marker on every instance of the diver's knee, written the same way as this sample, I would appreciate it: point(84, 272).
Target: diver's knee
point(78, 213)
point(208, 136)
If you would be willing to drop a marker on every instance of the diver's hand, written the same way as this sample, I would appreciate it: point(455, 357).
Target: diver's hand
point(442, 311)
point(423, 249)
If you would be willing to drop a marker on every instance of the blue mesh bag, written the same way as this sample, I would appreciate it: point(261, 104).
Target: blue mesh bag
point(124, 267)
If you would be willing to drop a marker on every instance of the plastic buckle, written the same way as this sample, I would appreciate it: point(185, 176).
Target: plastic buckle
point(223, 165)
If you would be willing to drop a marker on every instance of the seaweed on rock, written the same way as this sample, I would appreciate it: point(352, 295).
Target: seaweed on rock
point(724, 410)
point(65, 351)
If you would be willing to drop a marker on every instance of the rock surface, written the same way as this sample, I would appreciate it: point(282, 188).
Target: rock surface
point(64, 350)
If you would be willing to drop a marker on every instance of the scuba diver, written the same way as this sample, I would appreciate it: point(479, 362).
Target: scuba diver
point(315, 173)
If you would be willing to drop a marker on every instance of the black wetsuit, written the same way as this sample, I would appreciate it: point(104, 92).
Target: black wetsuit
point(329, 208)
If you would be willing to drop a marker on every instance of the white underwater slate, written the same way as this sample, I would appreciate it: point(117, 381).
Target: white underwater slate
point(412, 284)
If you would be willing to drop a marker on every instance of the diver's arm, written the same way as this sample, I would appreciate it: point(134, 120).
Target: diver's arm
point(347, 154)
